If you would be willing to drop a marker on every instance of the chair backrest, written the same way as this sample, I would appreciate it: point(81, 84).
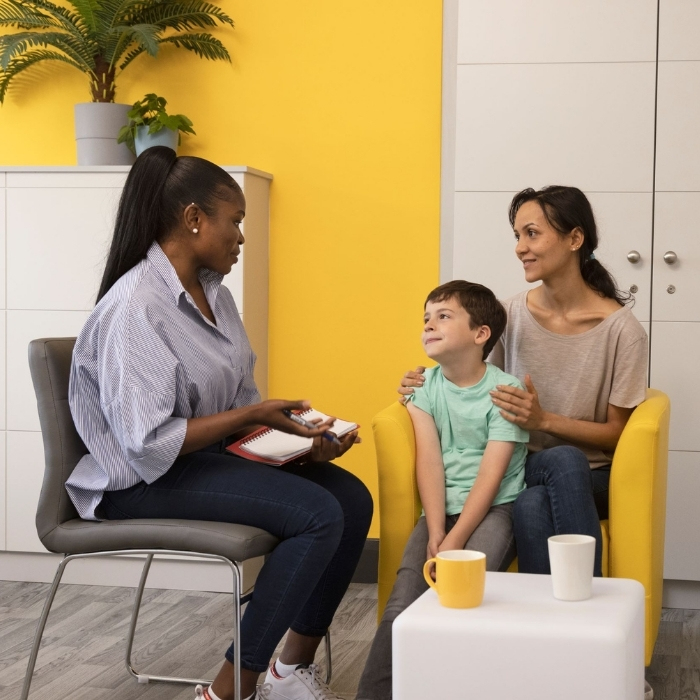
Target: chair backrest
point(49, 363)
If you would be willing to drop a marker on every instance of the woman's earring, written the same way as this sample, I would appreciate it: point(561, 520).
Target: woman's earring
point(195, 230)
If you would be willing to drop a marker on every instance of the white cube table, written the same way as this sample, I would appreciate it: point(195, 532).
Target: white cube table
point(522, 643)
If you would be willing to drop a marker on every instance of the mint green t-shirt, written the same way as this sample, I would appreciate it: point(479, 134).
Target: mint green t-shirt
point(466, 419)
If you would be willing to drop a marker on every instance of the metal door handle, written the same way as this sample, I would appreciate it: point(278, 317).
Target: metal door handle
point(670, 257)
point(634, 257)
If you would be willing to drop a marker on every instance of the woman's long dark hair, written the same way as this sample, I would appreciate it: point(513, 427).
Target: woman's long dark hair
point(159, 186)
point(565, 209)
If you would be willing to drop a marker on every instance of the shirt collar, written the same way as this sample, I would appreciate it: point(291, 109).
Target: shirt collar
point(211, 281)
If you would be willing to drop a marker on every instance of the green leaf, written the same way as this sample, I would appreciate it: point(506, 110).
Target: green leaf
point(204, 45)
point(144, 35)
point(130, 57)
point(184, 15)
point(87, 9)
point(28, 60)
point(15, 15)
point(71, 21)
point(12, 45)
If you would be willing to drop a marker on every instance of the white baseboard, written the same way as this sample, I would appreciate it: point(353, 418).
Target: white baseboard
point(170, 573)
point(681, 594)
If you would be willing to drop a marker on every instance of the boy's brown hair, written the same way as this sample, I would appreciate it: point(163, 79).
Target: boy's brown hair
point(479, 302)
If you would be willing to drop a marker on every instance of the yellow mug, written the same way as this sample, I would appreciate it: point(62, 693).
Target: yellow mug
point(460, 575)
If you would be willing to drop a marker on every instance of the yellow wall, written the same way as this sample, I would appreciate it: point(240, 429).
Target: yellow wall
point(340, 100)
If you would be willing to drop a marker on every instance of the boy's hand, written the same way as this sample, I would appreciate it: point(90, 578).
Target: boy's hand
point(451, 541)
point(434, 542)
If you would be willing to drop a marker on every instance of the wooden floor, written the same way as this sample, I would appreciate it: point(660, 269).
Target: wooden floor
point(185, 633)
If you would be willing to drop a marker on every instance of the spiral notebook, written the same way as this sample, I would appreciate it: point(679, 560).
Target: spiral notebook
point(276, 448)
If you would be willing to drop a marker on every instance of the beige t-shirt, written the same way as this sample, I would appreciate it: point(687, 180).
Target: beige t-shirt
point(576, 375)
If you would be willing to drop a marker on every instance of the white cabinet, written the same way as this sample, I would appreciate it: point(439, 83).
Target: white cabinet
point(545, 92)
point(55, 229)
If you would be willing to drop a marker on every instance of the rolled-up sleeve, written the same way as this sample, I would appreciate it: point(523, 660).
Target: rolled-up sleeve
point(150, 436)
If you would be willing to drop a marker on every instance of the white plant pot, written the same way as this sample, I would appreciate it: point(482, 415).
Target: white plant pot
point(97, 126)
point(164, 137)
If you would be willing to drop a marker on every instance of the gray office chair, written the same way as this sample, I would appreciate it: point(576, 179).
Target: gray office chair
point(61, 530)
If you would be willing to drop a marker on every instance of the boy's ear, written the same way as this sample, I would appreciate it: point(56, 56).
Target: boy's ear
point(482, 335)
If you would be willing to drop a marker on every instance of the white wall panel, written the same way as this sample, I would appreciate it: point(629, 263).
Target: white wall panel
point(60, 245)
point(675, 230)
point(3, 481)
point(484, 244)
point(543, 31)
point(25, 473)
point(3, 230)
point(678, 127)
point(682, 533)
point(3, 370)
point(624, 224)
point(23, 326)
point(589, 125)
point(679, 28)
point(674, 353)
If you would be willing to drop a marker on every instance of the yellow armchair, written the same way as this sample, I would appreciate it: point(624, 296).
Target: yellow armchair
point(633, 537)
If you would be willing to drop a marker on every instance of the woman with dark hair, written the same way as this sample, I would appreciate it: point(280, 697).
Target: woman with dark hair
point(162, 381)
point(583, 358)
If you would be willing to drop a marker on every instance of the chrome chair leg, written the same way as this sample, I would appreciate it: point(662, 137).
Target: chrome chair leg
point(40, 627)
point(145, 677)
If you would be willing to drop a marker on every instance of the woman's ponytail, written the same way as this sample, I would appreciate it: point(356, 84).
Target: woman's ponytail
point(139, 215)
point(567, 208)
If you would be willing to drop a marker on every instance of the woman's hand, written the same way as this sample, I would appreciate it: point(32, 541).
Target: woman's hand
point(269, 413)
point(411, 379)
point(323, 450)
point(520, 407)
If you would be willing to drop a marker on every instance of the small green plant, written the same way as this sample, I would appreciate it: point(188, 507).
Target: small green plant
point(150, 112)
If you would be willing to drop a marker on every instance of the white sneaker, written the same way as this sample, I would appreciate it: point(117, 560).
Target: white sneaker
point(260, 692)
point(304, 684)
point(648, 691)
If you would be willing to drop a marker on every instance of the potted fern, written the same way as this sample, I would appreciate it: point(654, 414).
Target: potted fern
point(101, 38)
point(150, 125)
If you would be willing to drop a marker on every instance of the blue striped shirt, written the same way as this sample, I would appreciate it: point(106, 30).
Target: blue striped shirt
point(146, 361)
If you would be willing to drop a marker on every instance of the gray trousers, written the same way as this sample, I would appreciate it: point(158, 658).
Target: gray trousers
point(493, 536)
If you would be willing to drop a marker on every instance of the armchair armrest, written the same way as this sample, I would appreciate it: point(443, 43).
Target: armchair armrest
point(638, 504)
point(399, 503)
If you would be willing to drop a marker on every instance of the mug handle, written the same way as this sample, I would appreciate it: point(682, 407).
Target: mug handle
point(426, 573)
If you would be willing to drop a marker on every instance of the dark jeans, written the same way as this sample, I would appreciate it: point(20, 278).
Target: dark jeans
point(564, 496)
point(493, 536)
point(320, 512)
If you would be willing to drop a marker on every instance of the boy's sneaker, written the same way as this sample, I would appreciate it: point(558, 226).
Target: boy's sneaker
point(304, 684)
point(648, 691)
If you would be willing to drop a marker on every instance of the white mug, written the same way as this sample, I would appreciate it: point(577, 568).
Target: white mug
point(571, 559)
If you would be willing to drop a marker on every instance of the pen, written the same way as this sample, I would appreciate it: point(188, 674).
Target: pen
point(311, 426)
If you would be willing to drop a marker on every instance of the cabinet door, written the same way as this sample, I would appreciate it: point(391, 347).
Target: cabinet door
point(682, 532)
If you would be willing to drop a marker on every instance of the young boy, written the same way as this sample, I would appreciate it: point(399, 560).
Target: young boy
point(469, 459)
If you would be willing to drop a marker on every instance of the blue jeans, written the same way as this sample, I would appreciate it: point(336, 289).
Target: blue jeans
point(320, 513)
point(564, 496)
